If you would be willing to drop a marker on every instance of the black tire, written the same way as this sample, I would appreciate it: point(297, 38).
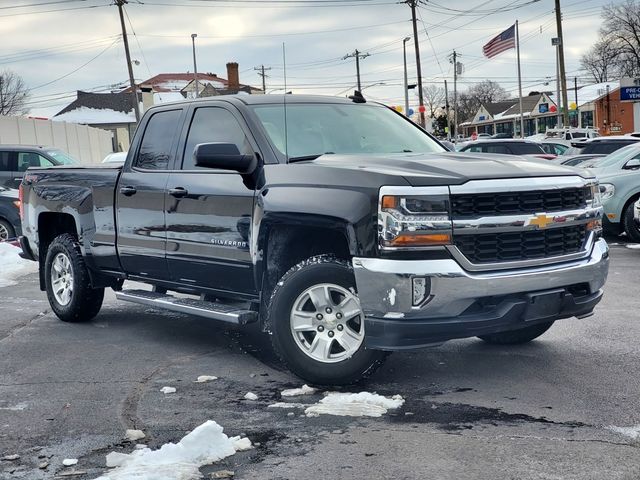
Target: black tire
point(85, 302)
point(317, 270)
point(517, 337)
point(6, 229)
point(629, 224)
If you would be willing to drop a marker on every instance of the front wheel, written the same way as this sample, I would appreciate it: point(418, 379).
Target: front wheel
point(67, 280)
point(517, 337)
point(630, 227)
point(317, 324)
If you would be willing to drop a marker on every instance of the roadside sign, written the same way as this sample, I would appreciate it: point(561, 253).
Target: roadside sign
point(555, 41)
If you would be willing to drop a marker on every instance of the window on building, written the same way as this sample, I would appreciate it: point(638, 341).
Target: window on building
point(586, 119)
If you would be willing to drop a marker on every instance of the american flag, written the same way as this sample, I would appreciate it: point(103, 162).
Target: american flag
point(500, 43)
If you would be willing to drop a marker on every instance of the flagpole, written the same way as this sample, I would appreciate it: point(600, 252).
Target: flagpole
point(519, 81)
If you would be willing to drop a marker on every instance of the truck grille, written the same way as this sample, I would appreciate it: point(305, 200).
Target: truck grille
point(523, 245)
point(516, 203)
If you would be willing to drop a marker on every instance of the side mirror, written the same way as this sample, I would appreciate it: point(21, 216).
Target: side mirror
point(632, 164)
point(224, 156)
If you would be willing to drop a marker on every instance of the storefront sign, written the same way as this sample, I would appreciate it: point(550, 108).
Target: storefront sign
point(630, 90)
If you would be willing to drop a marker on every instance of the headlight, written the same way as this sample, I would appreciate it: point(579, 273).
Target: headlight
point(594, 199)
point(410, 218)
point(607, 190)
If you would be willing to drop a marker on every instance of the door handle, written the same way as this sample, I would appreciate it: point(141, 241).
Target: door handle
point(178, 192)
point(128, 191)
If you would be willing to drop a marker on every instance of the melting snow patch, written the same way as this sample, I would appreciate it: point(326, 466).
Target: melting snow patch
point(634, 246)
point(363, 404)
point(251, 396)
point(206, 378)
point(166, 390)
point(133, 435)
point(294, 392)
point(12, 266)
point(68, 462)
point(288, 405)
point(631, 432)
point(392, 296)
point(176, 461)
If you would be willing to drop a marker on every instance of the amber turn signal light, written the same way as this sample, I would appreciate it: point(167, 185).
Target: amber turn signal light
point(420, 240)
point(389, 201)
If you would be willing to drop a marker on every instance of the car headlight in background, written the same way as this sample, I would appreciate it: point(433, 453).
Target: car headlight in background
point(413, 218)
point(607, 190)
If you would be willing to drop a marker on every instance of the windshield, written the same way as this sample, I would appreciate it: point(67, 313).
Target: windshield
point(62, 158)
point(622, 155)
point(317, 129)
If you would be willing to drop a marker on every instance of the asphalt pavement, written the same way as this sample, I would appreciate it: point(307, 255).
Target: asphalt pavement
point(538, 411)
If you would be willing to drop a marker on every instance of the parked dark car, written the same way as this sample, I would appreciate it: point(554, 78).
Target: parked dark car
point(15, 159)
point(601, 145)
point(506, 146)
point(10, 226)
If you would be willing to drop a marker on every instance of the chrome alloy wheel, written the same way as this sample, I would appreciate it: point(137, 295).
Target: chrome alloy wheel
point(327, 323)
point(4, 233)
point(62, 279)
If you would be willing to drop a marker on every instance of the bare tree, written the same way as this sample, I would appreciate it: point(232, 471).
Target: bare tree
point(601, 62)
point(479, 94)
point(621, 28)
point(433, 98)
point(13, 94)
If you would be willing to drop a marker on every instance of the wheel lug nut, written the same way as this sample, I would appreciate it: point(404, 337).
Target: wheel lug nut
point(330, 333)
point(319, 316)
point(320, 328)
point(340, 327)
point(328, 310)
point(338, 315)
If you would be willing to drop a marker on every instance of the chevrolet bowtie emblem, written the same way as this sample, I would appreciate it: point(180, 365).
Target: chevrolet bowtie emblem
point(541, 221)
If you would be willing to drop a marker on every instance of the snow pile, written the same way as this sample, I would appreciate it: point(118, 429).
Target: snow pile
point(631, 432)
point(133, 435)
point(288, 405)
point(205, 378)
point(250, 396)
point(176, 461)
point(294, 392)
point(68, 462)
point(12, 266)
point(167, 390)
point(363, 404)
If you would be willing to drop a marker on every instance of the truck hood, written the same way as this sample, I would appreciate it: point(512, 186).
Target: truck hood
point(448, 168)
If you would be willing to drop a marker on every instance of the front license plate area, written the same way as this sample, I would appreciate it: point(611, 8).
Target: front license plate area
point(544, 304)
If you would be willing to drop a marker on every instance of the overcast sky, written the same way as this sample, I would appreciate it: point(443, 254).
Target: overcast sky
point(59, 46)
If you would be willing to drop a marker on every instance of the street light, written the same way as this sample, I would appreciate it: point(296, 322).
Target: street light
point(195, 68)
point(406, 87)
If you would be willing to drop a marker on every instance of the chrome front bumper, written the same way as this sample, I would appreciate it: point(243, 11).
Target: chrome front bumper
point(386, 295)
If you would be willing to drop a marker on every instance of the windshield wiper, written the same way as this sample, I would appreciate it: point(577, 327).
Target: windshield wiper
point(307, 157)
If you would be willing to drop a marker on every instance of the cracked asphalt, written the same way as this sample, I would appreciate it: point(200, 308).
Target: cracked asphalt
point(539, 411)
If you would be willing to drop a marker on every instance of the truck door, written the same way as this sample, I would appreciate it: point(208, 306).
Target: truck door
point(209, 211)
point(140, 196)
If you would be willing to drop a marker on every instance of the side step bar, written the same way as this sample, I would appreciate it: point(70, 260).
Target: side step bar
point(201, 308)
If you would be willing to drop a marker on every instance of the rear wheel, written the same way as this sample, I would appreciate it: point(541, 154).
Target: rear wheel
point(68, 284)
point(517, 337)
point(6, 231)
point(632, 230)
point(318, 326)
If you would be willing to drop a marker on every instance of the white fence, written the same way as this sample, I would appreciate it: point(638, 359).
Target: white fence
point(87, 144)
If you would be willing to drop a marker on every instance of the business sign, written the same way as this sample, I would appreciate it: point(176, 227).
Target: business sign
point(481, 118)
point(543, 108)
point(630, 89)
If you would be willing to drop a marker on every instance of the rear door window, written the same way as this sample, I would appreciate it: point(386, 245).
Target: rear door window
point(499, 148)
point(525, 148)
point(155, 151)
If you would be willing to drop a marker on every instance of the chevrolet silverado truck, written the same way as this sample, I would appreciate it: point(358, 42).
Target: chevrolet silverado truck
point(339, 225)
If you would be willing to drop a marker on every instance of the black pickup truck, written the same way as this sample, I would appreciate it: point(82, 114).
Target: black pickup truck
point(339, 225)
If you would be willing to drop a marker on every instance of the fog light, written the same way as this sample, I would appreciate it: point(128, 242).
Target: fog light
point(421, 290)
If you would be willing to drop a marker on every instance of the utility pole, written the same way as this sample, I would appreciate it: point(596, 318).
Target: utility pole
point(261, 69)
point(413, 4)
point(559, 119)
point(357, 55)
point(454, 60)
point(406, 77)
point(195, 66)
point(575, 96)
point(563, 78)
point(136, 107)
point(446, 109)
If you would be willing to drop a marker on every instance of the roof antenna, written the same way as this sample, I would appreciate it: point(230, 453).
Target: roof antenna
point(284, 103)
point(357, 97)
